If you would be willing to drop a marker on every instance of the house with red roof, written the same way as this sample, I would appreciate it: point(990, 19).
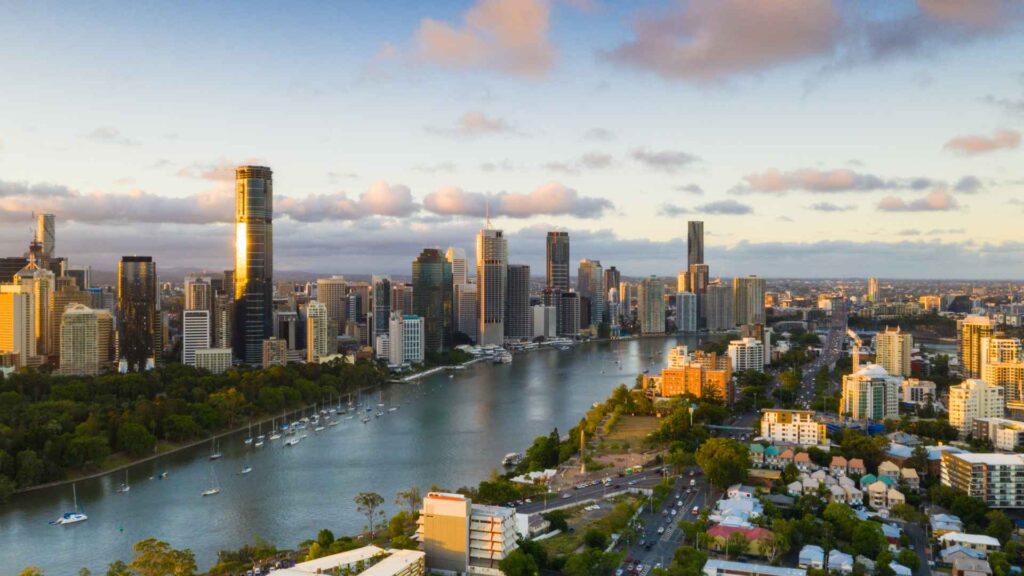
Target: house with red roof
point(719, 535)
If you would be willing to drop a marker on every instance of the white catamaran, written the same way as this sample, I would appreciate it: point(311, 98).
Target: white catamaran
point(214, 486)
point(74, 516)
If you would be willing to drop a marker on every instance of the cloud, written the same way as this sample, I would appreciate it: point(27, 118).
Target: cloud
point(219, 171)
point(108, 135)
point(814, 180)
point(435, 168)
point(714, 40)
point(8, 188)
point(18, 202)
point(599, 135)
point(664, 160)
point(945, 231)
point(589, 161)
point(935, 201)
point(694, 189)
point(509, 36)
point(475, 123)
point(381, 199)
point(909, 232)
point(973, 144)
point(550, 199)
point(968, 185)
point(708, 40)
point(585, 6)
point(501, 166)
point(672, 210)
point(830, 207)
point(728, 207)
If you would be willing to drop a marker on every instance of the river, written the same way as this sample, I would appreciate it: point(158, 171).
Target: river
point(448, 432)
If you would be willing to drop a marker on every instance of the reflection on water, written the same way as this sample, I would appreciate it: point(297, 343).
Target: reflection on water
point(448, 432)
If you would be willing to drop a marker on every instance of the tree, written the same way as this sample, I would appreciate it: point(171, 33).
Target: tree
point(118, 568)
point(519, 563)
point(30, 468)
point(736, 544)
point(724, 461)
point(774, 546)
point(591, 563)
point(135, 439)
point(410, 498)
point(999, 526)
point(367, 503)
point(325, 538)
point(595, 538)
point(868, 539)
point(31, 571)
point(558, 519)
point(314, 552)
point(908, 558)
point(156, 558)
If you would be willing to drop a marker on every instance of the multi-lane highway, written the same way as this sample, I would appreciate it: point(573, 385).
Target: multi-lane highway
point(593, 492)
point(831, 350)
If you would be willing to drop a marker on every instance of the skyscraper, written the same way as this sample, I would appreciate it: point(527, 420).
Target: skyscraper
point(254, 261)
point(972, 399)
point(748, 300)
point(65, 294)
point(871, 394)
point(40, 283)
point(195, 334)
point(333, 293)
point(319, 343)
point(568, 312)
point(491, 272)
point(892, 350)
point(380, 287)
point(590, 285)
point(517, 303)
point(686, 312)
point(694, 243)
point(46, 233)
point(1002, 364)
point(433, 298)
point(558, 260)
point(970, 331)
point(651, 305)
point(405, 338)
point(872, 289)
point(136, 312)
point(698, 276)
point(198, 292)
point(17, 322)
point(467, 310)
point(79, 336)
point(460, 268)
point(718, 304)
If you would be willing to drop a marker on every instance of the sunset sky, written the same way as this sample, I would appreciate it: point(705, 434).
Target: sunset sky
point(814, 138)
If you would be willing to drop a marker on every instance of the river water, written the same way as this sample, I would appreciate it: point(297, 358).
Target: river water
point(448, 432)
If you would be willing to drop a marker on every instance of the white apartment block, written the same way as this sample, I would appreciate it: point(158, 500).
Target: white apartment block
point(747, 354)
point(214, 360)
point(792, 427)
point(871, 394)
point(545, 321)
point(971, 399)
point(319, 342)
point(892, 351)
point(195, 334)
point(914, 391)
point(995, 479)
point(79, 338)
point(405, 334)
point(1005, 434)
point(492, 536)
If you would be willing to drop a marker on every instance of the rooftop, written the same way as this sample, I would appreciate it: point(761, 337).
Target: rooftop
point(976, 539)
point(992, 458)
point(714, 566)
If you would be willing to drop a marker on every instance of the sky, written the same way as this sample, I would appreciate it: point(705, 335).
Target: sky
point(814, 138)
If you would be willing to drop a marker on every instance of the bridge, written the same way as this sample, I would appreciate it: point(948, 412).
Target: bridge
point(730, 428)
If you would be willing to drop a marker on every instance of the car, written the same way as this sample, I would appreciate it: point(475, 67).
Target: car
point(691, 473)
point(661, 529)
point(695, 511)
point(664, 512)
point(619, 572)
point(566, 496)
point(648, 546)
point(639, 568)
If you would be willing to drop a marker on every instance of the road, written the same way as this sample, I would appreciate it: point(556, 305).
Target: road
point(831, 351)
point(660, 548)
point(645, 479)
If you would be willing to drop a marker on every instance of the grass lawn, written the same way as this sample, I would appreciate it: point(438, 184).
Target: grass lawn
point(632, 429)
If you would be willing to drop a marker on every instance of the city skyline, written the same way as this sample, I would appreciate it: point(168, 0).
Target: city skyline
point(635, 146)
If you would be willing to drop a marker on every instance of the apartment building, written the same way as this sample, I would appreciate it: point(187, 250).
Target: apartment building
point(995, 479)
point(792, 427)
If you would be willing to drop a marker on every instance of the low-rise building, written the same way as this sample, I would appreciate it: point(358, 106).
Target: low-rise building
point(792, 427)
point(215, 360)
point(944, 524)
point(919, 392)
point(856, 467)
point(811, 556)
point(890, 470)
point(979, 542)
point(838, 466)
point(1004, 434)
point(971, 567)
point(365, 561)
point(716, 567)
point(718, 537)
point(461, 537)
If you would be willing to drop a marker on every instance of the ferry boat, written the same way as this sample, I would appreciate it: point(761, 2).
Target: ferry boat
point(512, 459)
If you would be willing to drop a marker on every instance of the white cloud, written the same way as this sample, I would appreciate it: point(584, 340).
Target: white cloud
point(550, 199)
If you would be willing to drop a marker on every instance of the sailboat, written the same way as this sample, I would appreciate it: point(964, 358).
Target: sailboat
point(248, 439)
point(246, 468)
point(259, 432)
point(124, 487)
point(214, 488)
point(273, 430)
point(74, 516)
point(214, 453)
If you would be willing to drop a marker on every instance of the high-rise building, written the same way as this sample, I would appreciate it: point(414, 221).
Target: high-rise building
point(459, 537)
point(697, 279)
point(467, 310)
point(651, 305)
point(686, 312)
point(65, 294)
point(433, 298)
point(195, 334)
point(40, 282)
point(517, 303)
point(491, 277)
point(590, 285)
point(683, 282)
point(105, 339)
point(974, 399)
point(748, 300)
point(558, 260)
point(46, 233)
point(254, 261)
point(612, 277)
point(718, 305)
point(402, 297)
point(995, 479)
point(460, 267)
point(694, 243)
point(319, 343)
point(81, 274)
point(892, 351)
point(198, 292)
point(137, 312)
point(223, 319)
point(275, 352)
point(970, 331)
point(872, 289)
point(747, 354)
point(17, 322)
point(381, 296)
point(545, 321)
point(568, 311)
point(405, 339)
point(333, 293)
point(214, 360)
point(79, 336)
point(871, 394)
point(1002, 364)
point(9, 266)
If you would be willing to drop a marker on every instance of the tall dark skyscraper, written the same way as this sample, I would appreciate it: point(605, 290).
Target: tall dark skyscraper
point(558, 260)
point(136, 312)
point(517, 303)
point(611, 279)
point(432, 298)
point(694, 243)
point(254, 261)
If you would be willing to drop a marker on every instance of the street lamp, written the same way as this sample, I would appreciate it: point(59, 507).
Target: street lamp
point(693, 407)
